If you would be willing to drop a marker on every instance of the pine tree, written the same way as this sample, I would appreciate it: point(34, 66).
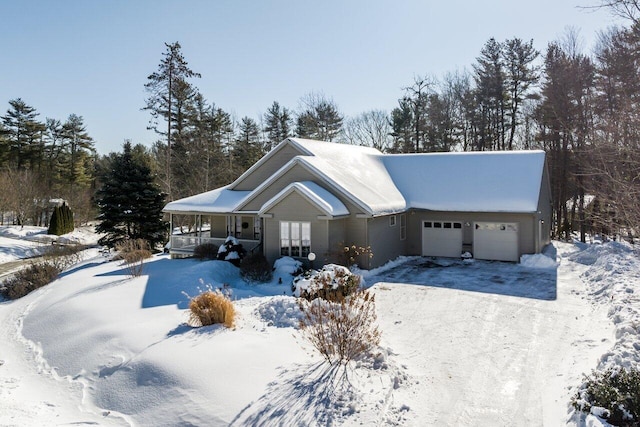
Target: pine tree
point(319, 118)
point(247, 149)
point(129, 202)
point(277, 124)
point(23, 134)
point(491, 96)
point(168, 90)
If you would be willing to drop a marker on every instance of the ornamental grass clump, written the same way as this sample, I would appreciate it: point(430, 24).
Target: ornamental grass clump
point(210, 308)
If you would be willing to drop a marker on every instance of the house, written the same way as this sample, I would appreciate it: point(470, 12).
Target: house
point(308, 196)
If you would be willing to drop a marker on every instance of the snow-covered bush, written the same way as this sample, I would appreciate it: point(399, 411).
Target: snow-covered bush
point(333, 282)
point(206, 251)
point(211, 307)
point(341, 331)
point(231, 251)
point(614, 394)
point(255, 268)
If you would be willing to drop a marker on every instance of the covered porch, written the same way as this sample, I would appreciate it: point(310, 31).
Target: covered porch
point(191, 230)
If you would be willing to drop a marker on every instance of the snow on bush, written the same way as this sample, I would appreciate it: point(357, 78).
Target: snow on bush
point(231, 251)
point(287, 265)
point(285, 268)
point(332, 282)
point(281, 312)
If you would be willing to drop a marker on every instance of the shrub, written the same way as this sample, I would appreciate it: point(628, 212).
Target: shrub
point(231, 251)
point(61, 221)
point(332, 283)
point(255, 268)
point(63, 256)
point(350, 254)
point(617, 391)
point(211, 307)
point(341, 331)
point(29, 279)
point(134, 252)
point(206, 251)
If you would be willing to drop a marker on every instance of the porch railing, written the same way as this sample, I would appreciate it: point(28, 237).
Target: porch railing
point(187, 243)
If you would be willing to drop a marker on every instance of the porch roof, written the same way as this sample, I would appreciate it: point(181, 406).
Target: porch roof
point(220, 200)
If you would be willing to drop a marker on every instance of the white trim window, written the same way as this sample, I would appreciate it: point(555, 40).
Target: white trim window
point(392, 221)
point(403, 227)
point(295, 238)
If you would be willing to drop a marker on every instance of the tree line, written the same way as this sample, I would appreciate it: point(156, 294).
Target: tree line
point(579, 107)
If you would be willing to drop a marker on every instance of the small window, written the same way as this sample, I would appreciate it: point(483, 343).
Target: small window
point(447, 225)
point(403, 227)
point(392, 221)
point(457, 225)
point(427, 224)
point(437, 225)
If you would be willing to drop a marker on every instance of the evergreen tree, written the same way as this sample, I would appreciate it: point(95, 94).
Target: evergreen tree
point(130, 203)
point(168, 90)
point(491, 96)
point(247, 149)
point(61, 220)
point(23, 134)
point(277, 124)
point(402, 128)
point(78, 149)
point(319, 118)
point(520, 76)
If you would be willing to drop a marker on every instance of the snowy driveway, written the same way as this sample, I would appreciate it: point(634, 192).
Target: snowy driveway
point(493, 277)
point(488, 343)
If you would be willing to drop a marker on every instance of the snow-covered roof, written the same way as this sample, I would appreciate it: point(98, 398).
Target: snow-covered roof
point(488, 181)
point(315, 194)
point(220, 200)
point(380, 184)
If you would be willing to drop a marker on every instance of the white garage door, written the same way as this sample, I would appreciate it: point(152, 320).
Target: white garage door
point(495, 241)
point(441, 238)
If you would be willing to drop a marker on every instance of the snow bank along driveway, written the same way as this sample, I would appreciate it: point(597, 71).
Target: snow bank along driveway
point(474, 344)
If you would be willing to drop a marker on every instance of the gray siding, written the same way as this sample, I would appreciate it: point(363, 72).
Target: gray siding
point(295, 208)
point(384, 240)
point(273, 162)
point(295, 174)
point(218, 226)
point(527, 230)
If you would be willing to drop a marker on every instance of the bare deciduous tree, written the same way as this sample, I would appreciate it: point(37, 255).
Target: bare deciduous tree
point(370, 128)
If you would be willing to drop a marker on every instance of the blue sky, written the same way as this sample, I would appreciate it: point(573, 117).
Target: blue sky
point(92, 57)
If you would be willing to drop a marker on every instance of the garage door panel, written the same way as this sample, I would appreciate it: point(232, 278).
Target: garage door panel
point(441, 238)
point(495, 241)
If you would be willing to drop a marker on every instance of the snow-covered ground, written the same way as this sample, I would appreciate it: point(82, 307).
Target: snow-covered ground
point(463, 343)
point(28, 241)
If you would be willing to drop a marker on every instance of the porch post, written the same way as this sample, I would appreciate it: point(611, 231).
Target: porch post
point(170, 230)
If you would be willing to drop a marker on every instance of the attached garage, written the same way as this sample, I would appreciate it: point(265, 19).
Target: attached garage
point(496, 241)
point(441, 238)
